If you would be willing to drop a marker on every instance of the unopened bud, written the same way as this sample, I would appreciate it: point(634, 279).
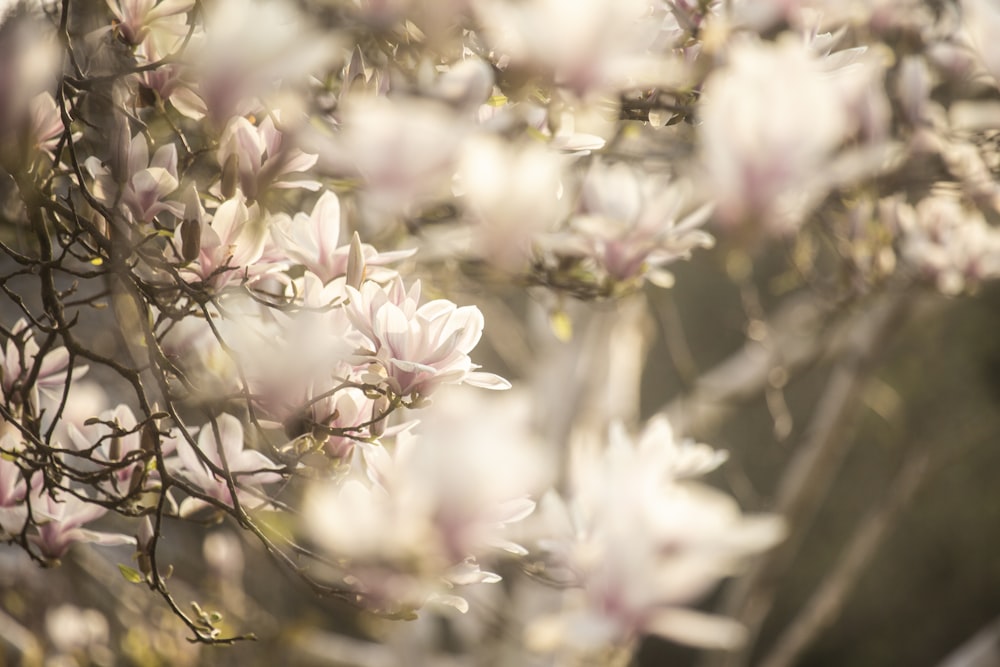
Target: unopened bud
point(149, 438)
point(379, 416)
point(190, 240)
point(355, 263)
point(115, 448)
point(230, 175)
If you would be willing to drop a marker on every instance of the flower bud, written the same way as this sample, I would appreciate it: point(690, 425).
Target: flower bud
point(230, 175)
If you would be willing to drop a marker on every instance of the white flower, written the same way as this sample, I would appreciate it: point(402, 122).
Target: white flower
point(17, 361)
point(419, 347)
point(639, 543)
point(230, 248)
point(632, 224)
point(147, 181)
point(262, 157)
point(59, 517)
point(432, 507)
point(766, 162)
point(514, 193)
point(137, 19)
point(312, 241)
point(249, 469)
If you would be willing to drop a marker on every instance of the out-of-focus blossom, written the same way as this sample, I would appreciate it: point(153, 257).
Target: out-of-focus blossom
point(766, 163)
point(638, 542)
point(432, 509)
point(59, 517)
point(982, 24)
point(584, 45)
point(402, 150)
point(148, 181)
point(249, 45)
point(951, 244)
point(29, 62)
point(248, 468)
point(312, 241)
point(262, 158)
point(137, 19)
point(419, 347)
point(632, 225)
point(514, 193)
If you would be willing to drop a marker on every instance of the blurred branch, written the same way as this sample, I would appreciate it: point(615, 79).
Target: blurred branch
point(980, 650)
point(803, 330)
point(828, 600)
point(808, 477)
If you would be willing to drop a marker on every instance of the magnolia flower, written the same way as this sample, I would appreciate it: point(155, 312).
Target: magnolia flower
point(403, 150)
point(766, 163)
point(418, 347)
point(514, 193)
point(46, 124)
point(138, 18)
point(17, 361)
point(121, 455)
point(58, 518)
point(584, 45)
point(230, 248)
point(952, 245)
point(312, 241)
point(633, 224)
point(261, 158)
point(204, 469)
point(147, 181)
point(431, 508)
point(638, 542)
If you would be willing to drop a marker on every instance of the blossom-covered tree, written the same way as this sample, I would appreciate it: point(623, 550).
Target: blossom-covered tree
point(252, 251)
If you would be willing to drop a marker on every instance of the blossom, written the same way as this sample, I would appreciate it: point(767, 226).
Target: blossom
point(312, 241)
point(138, 18)
point(432, 507)
point(262, 158)
point(248, 468)
point(638, 541)
point(18, 359)
point(514, 194)
point(632, 225)
point(403, 150)
point(59, 517)
point(228, 249)
point(766, 163)
point(950, 244)
point(146, 181)
point(419, 347)
point(13, 488)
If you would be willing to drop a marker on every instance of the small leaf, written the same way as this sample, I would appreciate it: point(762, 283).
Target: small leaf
point(130, 575)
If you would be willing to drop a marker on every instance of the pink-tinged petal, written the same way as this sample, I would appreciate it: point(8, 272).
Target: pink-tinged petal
point(230, 437)
point(326, 221)
point(138, 154)
point(165, 157)
point(169, 8)
point(298, 161)
point(153, 183)
point(229, 219)
point(102, 539)
point(394, 329)
point(486, 381)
